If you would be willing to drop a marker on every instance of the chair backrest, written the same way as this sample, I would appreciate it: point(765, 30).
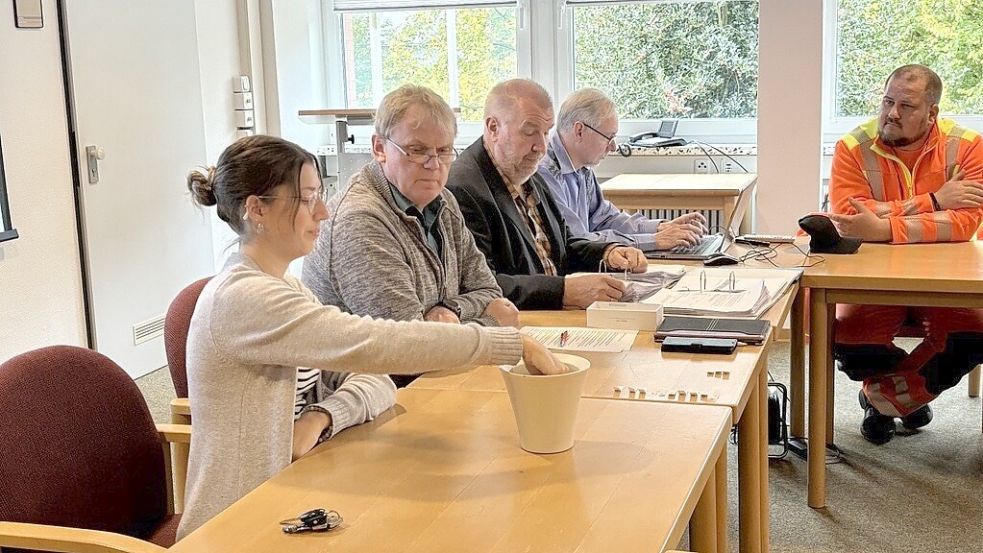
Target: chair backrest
point(79, 446)
point(176, 325)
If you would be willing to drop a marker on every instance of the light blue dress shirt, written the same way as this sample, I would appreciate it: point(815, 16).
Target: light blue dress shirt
point(583, 206)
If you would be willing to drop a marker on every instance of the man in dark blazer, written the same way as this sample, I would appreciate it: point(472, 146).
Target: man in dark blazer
point(515, 220)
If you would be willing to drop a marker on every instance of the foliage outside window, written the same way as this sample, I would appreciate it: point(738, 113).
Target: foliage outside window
point(460, 54)
point(671, 59)
point(876, 36)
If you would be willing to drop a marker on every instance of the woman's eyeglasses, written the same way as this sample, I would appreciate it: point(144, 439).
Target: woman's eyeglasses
point(310, 202)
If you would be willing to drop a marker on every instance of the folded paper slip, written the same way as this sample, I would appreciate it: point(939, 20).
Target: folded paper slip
point(748, 331)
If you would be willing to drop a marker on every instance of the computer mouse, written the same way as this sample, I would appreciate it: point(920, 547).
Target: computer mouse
point(719, 259)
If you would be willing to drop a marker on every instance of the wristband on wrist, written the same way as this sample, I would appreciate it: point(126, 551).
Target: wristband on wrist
point(935, 201)
point(328, 430)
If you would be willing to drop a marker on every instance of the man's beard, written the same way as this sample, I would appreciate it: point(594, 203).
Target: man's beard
point(898, 142)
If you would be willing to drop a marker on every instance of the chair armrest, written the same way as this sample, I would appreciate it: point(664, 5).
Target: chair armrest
point(181, 410)
point(174, 433)
point(70, 540)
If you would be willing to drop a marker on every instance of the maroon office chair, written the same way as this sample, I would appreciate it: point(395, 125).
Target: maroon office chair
point(176, 325)
point(80, 450)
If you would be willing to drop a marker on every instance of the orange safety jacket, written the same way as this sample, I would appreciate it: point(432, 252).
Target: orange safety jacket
point(864, 169)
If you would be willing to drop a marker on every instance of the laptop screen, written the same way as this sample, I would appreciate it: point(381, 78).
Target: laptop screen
point(733, 228)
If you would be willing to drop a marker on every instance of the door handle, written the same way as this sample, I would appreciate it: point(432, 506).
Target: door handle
point(92, 155)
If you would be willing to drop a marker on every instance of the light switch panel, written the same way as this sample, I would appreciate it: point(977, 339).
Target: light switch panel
point(27, 14)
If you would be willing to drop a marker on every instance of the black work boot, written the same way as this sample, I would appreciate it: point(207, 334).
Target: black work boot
point(918, 419)
point(876, 428)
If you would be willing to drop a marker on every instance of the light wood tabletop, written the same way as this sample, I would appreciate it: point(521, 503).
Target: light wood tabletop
point(942, 275)
point(443, 471)
point(743, 391)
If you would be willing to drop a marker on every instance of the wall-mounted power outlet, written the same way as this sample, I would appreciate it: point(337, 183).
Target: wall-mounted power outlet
point(728, 166)
point(701, 165)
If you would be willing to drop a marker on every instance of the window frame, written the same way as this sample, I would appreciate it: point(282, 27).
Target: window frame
point(334, 59)
point(737, 130)
point(7, 230)
point(546, 56)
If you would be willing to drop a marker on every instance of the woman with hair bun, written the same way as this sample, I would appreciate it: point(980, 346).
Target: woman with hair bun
point(256, 327)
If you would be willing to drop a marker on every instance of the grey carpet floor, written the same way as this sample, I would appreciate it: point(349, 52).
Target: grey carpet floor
point(921, 492)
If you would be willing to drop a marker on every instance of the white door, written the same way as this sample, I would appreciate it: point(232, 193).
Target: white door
point(136, 93)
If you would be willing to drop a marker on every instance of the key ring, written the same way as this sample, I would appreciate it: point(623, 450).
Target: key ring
point(315, 520)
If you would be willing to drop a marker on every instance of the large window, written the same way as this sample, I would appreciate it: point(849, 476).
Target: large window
point(693, 60)
point(459, 53)
point(875, 36)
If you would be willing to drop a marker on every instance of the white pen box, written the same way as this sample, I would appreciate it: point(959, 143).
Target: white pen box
point(624, 315)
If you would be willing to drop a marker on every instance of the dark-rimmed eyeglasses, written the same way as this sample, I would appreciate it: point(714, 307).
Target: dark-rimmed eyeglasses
point(444, 156)
point(610, 139)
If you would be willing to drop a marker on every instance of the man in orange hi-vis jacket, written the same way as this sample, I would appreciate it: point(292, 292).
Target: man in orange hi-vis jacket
point(907, 176)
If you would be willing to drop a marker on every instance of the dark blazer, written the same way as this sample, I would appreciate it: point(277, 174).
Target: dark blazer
point(501, 233)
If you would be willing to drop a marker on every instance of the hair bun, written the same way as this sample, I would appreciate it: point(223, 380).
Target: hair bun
point(201, 186)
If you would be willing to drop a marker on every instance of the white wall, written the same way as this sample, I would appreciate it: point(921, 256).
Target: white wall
point(40, 280)
point(220, 61)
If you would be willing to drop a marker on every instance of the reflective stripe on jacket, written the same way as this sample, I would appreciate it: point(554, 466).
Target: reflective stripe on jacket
point(864, 168)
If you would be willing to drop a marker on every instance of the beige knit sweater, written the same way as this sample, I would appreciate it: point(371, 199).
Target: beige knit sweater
point(249, 333)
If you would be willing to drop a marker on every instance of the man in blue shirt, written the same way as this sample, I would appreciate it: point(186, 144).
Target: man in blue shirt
point(584, 134)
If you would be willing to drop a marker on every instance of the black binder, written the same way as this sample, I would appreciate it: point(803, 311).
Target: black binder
point(748, 331)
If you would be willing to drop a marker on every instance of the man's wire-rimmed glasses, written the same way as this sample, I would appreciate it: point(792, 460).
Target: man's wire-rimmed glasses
point(610, 139)
point(445, 156)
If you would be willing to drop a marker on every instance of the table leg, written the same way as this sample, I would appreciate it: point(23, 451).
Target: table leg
point(703, 523)
point(749, 475)
point(720, 479)
point(818, 352)
point(763, 452)
point(798, 365)
point(830, 393)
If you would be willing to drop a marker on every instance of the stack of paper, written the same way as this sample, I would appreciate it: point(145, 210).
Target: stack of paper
point(746, 293)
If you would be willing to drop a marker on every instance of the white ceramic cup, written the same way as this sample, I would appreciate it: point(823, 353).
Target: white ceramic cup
point(545, 406)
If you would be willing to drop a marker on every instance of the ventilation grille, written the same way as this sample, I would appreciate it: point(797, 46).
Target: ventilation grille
point(715, 219)
point(148, 330)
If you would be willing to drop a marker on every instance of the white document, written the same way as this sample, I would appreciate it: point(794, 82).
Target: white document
point(582, 339)
point(746, 293)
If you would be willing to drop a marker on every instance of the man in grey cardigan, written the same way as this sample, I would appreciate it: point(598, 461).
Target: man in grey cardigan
point(395, 245)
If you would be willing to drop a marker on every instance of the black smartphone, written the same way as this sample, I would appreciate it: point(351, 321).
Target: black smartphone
point(722, 346)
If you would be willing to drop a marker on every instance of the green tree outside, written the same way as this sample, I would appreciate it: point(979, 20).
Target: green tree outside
point(876, 36)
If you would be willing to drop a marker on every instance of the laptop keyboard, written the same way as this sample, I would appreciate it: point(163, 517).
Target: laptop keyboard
point(705, 244)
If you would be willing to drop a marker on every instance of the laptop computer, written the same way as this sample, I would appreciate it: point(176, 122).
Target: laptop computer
point(710, 244)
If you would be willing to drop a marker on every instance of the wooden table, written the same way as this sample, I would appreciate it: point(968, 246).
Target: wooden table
point(683, 191)
point(744, 392)
point(943, 275)
point(443, 471)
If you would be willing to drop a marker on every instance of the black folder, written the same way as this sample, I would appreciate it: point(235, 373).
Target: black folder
point(748, 331)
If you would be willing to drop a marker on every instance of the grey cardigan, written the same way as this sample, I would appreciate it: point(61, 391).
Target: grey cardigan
point(249, 333)
point(372, 258)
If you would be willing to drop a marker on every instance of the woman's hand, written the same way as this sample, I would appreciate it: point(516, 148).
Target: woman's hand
point(540, 360)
